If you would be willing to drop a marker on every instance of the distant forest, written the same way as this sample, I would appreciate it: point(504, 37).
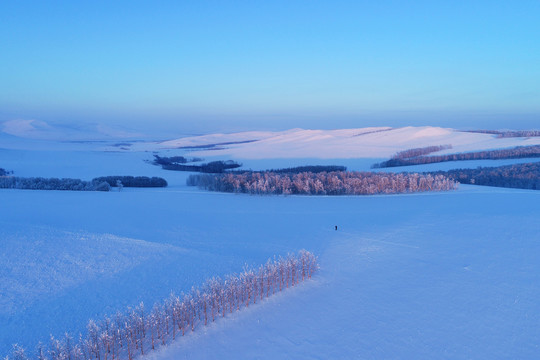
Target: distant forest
point(412, 153)
point(518, 152)
point(98, 184)
point(508, 133)
point(39, 183)
point(521, 176)
point(132, 181)
point(172, 160)
point(178, 163)
point(323, 183)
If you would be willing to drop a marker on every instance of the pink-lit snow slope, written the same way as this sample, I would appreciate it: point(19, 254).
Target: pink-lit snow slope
point(378, 142)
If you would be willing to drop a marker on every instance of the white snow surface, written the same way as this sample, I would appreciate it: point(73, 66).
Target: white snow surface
point(343, 144)
point(432, 275)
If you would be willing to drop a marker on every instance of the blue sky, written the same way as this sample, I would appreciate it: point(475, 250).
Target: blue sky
point(216, 65)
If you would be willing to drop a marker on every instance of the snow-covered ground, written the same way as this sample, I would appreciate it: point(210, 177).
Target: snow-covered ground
point(433, 275)
point(439, 276)
point(344, 144)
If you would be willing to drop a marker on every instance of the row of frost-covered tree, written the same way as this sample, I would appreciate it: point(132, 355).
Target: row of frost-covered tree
point(132, 181)
point(39, 183)
point(323, 183)
point(97, 184)
point(305, 168)
point(517, 152)
point(139, 330)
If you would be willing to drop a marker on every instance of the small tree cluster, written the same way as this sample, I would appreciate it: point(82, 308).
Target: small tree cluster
point(140, 330)
point(132, 181)
point(517, 152)
point(324, 183)
point(4, 172)
point(38, 183)
point(164, 160)
point(521, 176)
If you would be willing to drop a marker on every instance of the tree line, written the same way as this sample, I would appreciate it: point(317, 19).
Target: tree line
point(412, 153)
point(299, 169)
point(178, 163)
point(309, 168)
point(171, 160)
point(132, 181)
point(532, 151)
point(97, 184)
point(508, 133)
point(39, 183)
point(323, 183)
point(139, 330)
point(213, 167)
point(521, 176)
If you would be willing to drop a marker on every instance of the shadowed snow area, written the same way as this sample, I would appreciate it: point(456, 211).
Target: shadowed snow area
point(39, 262)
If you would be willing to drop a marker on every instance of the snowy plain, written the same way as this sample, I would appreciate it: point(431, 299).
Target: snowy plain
point(432, 275)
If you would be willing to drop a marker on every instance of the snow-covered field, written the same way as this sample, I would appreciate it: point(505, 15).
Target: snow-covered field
point(445, 276)
point(433, 275)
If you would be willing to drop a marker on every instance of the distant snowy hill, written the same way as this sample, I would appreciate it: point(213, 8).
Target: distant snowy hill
point(373, 142)
point(41, 130)
point(361, 143)
point(220, 139)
